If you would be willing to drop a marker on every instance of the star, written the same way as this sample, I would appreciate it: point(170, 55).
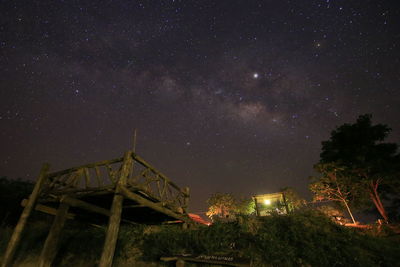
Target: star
point(202, 88)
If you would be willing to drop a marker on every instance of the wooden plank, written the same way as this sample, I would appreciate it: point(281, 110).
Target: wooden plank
point(84, 205)
point(49, 250)
point(154, 206)
point(16, 236)
point(47, 209)
point(217, 260)
point(98, 177)
point(115, 217)
point(87, 177)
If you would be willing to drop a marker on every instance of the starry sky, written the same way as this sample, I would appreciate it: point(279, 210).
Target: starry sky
point(228, 96)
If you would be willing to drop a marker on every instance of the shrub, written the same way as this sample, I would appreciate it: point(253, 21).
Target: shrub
point(301, 238)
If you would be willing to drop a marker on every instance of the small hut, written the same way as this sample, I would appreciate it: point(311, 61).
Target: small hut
point(270, 203)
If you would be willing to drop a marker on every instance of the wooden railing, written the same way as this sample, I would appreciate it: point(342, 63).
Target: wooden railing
point(97, 178)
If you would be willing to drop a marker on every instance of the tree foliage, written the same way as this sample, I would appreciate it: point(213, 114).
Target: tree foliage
point(225, 205)
point(370, 163)
point(301, 238)
point(292, 198)
point(333, 185)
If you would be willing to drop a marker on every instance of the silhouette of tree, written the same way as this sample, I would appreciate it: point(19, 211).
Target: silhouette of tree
point(359, 150)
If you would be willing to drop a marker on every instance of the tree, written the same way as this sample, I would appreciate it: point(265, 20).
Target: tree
point(221, 205)
point(224, 205)
point(369, 162)
point(333, 185)
point(292, 198)
point(245, 206)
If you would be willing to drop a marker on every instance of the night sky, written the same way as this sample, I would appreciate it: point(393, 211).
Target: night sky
point(228, 96)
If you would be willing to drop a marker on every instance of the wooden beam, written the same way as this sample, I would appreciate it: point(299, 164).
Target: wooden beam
point(115, 217)
point(154, 206)
point(49, 250)
point(47, 209)
point(133, 206)
point(16, 236)
point(83, 190)
point(91, 165)
point(86, 206)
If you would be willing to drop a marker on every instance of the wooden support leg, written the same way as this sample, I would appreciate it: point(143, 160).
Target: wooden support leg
point(115, 216)
point(49, 250)
point(16, 236)
point(112, 232)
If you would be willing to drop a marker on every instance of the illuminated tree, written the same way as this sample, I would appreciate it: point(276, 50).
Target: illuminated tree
point(245, 206)
point(221, 205)
point(224, 205)
point(333, 185)
point(359, 150)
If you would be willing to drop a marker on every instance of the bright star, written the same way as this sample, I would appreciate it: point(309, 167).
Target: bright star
point(255, 75)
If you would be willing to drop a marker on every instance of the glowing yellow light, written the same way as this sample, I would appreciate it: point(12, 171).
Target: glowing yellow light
point(267, 201)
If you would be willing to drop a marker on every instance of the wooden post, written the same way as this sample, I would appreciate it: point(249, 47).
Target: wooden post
point(256, 206)
point(186, 198)
point(185, 206)
point(16, 236)
point(49, 250)
point(115, 217)
point(285, 202)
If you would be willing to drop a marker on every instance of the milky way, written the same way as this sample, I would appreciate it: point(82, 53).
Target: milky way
point(228, 96)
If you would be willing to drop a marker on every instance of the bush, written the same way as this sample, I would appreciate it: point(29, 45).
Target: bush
point(302, 238)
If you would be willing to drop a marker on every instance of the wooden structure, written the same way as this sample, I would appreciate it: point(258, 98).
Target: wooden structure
point(180, 260)
point(267, 203)
point(126, 189)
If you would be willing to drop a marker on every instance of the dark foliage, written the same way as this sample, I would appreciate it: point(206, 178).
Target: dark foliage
point(11, 194)
point(301, 238)
point(372, 165)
